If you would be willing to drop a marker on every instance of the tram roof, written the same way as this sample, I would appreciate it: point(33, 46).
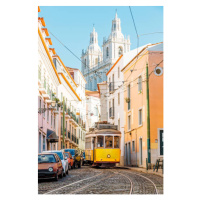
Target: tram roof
point(104, 131)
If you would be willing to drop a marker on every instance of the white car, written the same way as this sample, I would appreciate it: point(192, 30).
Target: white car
point(63, 159)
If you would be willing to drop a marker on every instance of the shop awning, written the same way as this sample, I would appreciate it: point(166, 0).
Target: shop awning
point(51, 136)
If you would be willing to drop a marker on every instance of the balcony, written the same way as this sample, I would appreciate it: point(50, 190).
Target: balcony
point(111, 87)
point(111, 113)
point(46, 96)
point(42, 90)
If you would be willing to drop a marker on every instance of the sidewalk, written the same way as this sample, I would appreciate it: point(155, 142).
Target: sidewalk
point(139, 169)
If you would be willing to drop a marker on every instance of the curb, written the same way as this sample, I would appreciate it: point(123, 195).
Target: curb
point(141, 170)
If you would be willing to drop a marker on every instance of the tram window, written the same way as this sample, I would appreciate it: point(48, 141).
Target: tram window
point(109, 141)
point(116, 142)
point(100, 141)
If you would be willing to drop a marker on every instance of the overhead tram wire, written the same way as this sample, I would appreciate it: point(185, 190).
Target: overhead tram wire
point(137, 38)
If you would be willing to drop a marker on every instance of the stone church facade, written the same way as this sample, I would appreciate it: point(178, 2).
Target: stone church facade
point(96, 62)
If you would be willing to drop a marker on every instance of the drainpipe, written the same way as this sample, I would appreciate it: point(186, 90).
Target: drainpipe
point(148, 117)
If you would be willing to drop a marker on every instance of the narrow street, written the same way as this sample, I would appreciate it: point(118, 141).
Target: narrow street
point(88, 180)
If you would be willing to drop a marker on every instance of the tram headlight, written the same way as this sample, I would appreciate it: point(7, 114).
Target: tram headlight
point(108, 156)
point(50, 169)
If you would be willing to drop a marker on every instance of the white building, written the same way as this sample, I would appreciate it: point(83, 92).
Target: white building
point(81, 105)
point(102, 88)
point(48, 81)
point(115, 94)
point(92, 109)
point(96, 62)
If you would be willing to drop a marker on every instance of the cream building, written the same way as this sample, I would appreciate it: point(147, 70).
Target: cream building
point(96, 62)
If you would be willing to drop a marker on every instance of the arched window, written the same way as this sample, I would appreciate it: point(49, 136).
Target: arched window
point(120, 51)
point(107, 52)
point(85, 63)
point(96, 61)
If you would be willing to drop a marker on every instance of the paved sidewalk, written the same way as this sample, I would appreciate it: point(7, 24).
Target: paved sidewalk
point(149, 171)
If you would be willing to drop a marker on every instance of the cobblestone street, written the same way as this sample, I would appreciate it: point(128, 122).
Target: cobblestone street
point(87, 180)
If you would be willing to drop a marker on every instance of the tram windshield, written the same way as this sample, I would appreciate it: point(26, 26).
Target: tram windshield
point(108, 141)
point(99, 141)
point(116, 142)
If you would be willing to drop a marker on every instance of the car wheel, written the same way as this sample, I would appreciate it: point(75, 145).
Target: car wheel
point(64, 174)
point(56, 178)
point(61, 175)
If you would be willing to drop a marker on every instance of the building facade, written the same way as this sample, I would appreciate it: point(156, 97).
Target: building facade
point(96, 62)
point(92, 108)
point(144, 110)
point(48, 81)
point(61, 97)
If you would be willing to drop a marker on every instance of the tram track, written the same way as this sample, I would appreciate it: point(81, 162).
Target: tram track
point(144, 177)
point(73, 183)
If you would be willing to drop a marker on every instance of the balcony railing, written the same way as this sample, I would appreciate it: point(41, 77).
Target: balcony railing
point(111, 87)
point(111, 112)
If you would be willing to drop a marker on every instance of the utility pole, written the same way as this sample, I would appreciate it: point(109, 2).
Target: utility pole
point(63, 133)
point(148, 116)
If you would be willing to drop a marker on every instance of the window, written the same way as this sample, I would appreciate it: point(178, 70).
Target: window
point(116, 141)
point(51, 119)
point(43, 143)
point(120, 51)
point(140, 117)
point(39, 72)
point(61, 125)
point(44, 82)
point(40, 104)
point(47, 115)
point(96, 61)
point(118, 124)
point(107, 52)
point(133, 145)
point(139, 83)
point(66, 126)
point(119, 98)
point(54, 123)
point(118, 72)
point(44, 112)
point(129, 94)
point(85, 63)
point(99, 141)
point(108, 141)
point(129, 122)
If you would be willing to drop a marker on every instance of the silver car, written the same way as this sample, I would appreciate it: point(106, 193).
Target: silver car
point(63, 159)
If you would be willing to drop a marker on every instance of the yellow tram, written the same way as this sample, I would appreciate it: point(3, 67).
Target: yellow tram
point(102, 145)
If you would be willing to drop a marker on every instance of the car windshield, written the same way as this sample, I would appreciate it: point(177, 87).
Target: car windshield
point(59, 154)
point(72, 151)
point(49, 158)
point(67, 155)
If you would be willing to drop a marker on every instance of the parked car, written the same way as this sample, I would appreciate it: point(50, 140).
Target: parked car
point(70, 160)
point(76, 157)
point(63, 158)
point(49, 166)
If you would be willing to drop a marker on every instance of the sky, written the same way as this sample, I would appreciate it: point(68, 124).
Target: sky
point(73, 25)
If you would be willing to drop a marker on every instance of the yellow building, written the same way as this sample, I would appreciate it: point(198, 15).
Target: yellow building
point(136, 106)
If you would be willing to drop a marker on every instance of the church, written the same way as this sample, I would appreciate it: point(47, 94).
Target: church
point(96, 62)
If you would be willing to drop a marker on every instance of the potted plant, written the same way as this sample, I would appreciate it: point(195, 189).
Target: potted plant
point(127, 100)
point(56, 99)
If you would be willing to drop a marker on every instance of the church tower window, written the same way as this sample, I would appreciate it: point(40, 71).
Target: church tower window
point(85, 63)
point(107, 52)
point(120, 51)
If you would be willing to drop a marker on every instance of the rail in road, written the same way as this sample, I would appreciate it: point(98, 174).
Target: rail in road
point(89, 180)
